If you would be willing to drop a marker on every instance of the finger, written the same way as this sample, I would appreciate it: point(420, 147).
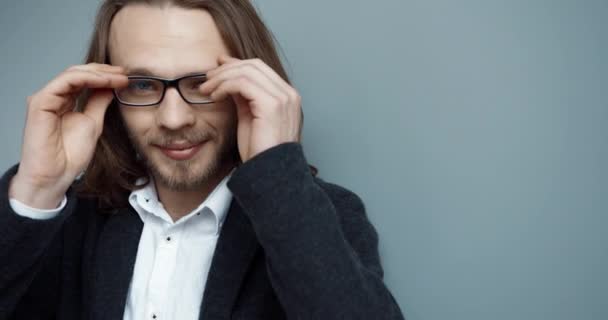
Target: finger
point(99, 67)
point(73, 81)
point(271, 73)
point(224, 58)
point(246, 89)
point(257, 63)
point(242, 109)
point(227, 62)
point(224, 62)
point(97, 105)
point(252, 73)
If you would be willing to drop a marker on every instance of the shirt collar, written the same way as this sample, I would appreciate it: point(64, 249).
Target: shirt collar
point(145, 202)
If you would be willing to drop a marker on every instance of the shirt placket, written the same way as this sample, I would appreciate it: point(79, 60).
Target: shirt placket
point(162, 272)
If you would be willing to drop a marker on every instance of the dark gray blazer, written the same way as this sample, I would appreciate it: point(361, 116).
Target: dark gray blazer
point(292, 247)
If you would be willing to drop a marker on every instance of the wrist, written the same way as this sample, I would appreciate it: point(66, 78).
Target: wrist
point(36, 195)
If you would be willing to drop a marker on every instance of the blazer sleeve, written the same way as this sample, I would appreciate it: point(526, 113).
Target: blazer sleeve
point(321, 250)
point(30, 259)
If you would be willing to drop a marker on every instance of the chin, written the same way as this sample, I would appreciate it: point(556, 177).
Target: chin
point(184, 174)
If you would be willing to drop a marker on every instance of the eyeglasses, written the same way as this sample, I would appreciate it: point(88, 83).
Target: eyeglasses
point(148, 91)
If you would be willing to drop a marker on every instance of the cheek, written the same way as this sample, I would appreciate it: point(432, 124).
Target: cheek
point(223, 119)
point(137, 121)
point(229, 115)
point(229, 122)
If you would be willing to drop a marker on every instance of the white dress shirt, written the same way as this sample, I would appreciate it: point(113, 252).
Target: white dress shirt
point(173, 258)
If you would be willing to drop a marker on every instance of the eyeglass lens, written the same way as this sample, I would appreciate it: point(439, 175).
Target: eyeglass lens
point(148, 91)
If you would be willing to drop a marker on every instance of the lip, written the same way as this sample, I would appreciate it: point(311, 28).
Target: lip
point(180, 151)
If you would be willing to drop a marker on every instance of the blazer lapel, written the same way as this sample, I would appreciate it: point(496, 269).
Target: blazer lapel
point(235, 249)
point(114, 262)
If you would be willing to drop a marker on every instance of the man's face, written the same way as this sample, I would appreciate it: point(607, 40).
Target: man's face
point(183, 145)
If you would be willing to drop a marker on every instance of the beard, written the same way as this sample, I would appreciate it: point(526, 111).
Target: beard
point(189, 174)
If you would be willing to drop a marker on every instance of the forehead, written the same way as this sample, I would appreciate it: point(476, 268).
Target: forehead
point(169, 41)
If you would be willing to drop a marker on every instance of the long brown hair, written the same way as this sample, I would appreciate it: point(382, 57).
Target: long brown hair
point(114, 169)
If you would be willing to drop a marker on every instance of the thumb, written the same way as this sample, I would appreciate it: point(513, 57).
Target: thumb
point(97, 105)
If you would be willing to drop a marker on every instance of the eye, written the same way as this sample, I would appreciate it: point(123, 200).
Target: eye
point(196, 83)
point(192, 84)
point(141, 85)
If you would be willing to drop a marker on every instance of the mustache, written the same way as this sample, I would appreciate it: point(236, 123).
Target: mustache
point(165, 139)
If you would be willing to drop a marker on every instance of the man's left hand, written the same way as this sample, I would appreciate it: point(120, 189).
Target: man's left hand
point(268, 108)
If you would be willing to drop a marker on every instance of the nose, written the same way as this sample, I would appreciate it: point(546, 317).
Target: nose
point(174, 113)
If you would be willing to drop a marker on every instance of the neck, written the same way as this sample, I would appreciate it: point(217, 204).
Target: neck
point(180, 203)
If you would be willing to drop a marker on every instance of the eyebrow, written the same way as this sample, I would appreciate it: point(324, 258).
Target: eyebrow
point(148, 73)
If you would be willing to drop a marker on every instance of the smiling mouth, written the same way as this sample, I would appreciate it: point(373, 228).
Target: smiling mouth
point(181, 151)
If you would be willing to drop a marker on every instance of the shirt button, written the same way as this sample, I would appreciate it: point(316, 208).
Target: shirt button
point(153, 316)
point(168, 239)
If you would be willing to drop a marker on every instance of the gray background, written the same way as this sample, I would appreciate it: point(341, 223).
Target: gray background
point(475, 132)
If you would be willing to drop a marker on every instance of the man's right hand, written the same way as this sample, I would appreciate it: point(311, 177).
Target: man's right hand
point(58, 142)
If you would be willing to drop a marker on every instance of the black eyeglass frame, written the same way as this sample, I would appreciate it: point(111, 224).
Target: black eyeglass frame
point(167, 83)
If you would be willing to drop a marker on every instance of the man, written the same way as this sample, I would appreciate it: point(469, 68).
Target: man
point(196, 200)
